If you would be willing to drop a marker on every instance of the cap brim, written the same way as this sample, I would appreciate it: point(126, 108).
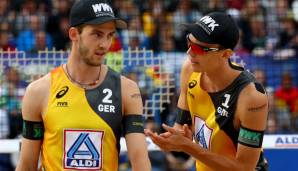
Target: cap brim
point(100, 20)
point(198, 33)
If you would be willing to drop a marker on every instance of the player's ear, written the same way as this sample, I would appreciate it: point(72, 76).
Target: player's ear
point(73, 34)
point(227, 53)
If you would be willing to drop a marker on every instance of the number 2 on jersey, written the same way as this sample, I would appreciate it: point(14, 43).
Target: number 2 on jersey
point(108, 94)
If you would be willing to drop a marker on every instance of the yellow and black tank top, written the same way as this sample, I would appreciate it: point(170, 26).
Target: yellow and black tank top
point(212, 116)
point(82, 127)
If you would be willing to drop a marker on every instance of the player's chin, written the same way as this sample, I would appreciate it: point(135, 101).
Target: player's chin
point(196, 67)
point(95, 62)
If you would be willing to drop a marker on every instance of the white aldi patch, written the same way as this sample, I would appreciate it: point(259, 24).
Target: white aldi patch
point(82, 149)
point(202, 133)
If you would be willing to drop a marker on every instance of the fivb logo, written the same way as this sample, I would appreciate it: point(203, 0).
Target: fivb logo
point(208, 24)
point(83, 149)
point(102, 9)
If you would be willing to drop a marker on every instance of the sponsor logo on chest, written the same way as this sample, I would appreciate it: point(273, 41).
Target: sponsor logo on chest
point(82, 149)
point(60, 94)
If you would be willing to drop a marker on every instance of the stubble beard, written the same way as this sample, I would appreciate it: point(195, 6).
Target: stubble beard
point(85, 55)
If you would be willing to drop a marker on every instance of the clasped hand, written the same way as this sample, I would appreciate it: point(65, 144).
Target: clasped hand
point(172, 140)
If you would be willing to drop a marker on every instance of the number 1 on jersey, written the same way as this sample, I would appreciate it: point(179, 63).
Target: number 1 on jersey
point(225, 104)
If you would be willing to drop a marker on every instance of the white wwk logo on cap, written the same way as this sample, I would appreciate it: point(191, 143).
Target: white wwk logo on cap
point(102, 7)
point(210, 22)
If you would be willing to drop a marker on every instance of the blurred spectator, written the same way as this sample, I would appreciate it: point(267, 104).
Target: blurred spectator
point(282, 8)
point(5, 43)
point(154, 18)
point(167, 44)
point(24, 18)
point(271, 18)
point(40, 42)
point(184, 14)
point(166, 38)
point(295, 118)
point(127, 9)
point(58, 17)
point(252, 8)
point(287, 33)
point(216, 5)
point(294, 43)
point(4, 10)
point(295, 9)
point(134, 36)
point(116, 44)
point(278, 115)
point(236, 4)
point(26, 39)
point(4, 125)
point(13, 90)
point(272, 127)
point(260, 75)
point(288, 93)
point(60, 36)
point(240, 49)
point(258, 32)
point(7, 16)
point(5, 164)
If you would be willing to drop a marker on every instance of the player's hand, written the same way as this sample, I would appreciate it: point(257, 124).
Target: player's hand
point(172, 140)
point(187, 131)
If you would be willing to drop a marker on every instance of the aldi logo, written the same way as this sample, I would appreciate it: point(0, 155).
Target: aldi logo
point(202, 133)
point(83, 149)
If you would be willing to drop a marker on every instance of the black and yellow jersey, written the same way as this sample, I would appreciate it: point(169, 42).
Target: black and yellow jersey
point(213, 114)
point(82, 127)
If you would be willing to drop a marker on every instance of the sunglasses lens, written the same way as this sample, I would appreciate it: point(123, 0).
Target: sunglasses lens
point(196, 49)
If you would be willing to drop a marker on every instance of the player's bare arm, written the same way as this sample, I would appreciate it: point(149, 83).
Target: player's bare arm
point(252, 113)
point(135, 138)
point(34, 102)
point(184, 77)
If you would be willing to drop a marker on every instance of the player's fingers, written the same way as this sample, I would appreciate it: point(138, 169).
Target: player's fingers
point(150, 133)
point(165, 134)
point(169, 129)
point(187, 131)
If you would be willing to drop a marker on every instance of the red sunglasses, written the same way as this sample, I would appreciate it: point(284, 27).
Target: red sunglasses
point(198, 49)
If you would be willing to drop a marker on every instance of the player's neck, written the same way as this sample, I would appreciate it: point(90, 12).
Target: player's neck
point(216, 81)
point(83, 76)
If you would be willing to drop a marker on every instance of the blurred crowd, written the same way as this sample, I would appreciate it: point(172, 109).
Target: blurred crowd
point(267, 27)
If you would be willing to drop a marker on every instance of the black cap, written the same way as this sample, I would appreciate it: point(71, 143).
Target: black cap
point(215, 28)
point(93, 12)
